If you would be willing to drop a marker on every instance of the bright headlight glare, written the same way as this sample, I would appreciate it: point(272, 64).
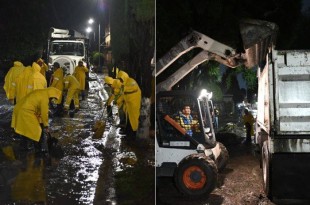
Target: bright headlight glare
point(204, 94)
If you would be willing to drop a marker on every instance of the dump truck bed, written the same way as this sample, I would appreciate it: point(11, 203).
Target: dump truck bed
point(286, 93)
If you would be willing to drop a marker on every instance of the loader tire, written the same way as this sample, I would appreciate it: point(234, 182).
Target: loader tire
point(266, 168)
point(222, 160)
point(196, 175)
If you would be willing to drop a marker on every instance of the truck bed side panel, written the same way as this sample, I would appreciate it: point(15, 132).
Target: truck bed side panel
point(292, 93)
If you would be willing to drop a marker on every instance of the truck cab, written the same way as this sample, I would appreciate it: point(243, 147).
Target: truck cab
point(67, 47)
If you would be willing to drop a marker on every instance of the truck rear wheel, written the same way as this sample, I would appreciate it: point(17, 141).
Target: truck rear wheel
point(266, 167)
point(196, 175)
point(223, 158)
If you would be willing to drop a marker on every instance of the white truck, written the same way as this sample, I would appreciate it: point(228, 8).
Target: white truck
point(67, 47)
point(283, 123)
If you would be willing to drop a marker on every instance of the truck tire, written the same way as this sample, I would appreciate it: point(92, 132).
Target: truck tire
point(196, 175)
point(266, 167)
point(223, 158)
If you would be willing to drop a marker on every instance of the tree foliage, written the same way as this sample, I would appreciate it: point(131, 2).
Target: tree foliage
point(133, 43)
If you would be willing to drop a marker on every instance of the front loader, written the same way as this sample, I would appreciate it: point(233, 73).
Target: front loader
point(195, 160)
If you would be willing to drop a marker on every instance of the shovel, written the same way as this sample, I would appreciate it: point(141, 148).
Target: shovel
point(99, 126)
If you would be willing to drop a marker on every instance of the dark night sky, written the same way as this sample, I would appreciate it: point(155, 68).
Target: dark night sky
point(74, 13)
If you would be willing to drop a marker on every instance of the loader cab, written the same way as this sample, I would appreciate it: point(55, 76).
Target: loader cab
point(171, 103)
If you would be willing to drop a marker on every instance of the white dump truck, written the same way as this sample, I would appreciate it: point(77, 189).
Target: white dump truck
point(67, 47)
point(283, 119)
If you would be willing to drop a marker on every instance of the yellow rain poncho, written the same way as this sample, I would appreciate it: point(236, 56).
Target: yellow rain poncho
point(30, 79)
point(132, 99)
point(108, 80)
point(79, 74)
point(73, 87)
point(57, 82)
point(38, 81)
point(117, 94)
point(10, 79)
point(22, 83)
point(33, 110)
point(43, 66)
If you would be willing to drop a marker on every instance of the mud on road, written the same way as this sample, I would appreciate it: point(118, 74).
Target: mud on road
point(81, 169)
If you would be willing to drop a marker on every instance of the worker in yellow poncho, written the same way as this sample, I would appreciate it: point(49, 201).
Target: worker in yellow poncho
point(80, 74)
point(10, 80)
point(30, 114)
point(43, 66)
point(132, 100)
point(30, 79)
point(109, 81)
point(72, 86)
point(118, 93)
point(117, 97)
point(57, 82)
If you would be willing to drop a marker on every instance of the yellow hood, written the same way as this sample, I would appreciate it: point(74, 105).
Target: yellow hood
point(108, 80)
point(53, 92)
point(40, 60)
point(36, 67)
point(116, 83)
point(18, 64)
point(122, 75)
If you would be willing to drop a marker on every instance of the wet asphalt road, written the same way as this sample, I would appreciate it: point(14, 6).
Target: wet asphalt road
point(82, 168)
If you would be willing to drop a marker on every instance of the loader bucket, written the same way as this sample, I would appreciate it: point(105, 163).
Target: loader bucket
point(258, 37)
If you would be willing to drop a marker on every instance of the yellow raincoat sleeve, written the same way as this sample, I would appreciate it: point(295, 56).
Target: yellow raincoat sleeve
point(7, 84)
point(10, 79)
point(66, 83)
point(44, 112)
point(44, 68)
point(58, 79)
point(131, 86)
point(39, 82)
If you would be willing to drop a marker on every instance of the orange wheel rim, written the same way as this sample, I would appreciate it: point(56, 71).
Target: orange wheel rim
point(194, 177)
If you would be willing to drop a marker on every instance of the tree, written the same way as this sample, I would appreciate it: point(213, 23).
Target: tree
point(132, 39)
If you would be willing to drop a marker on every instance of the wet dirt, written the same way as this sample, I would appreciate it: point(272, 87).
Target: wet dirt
point(81, 169)
point(239, 183)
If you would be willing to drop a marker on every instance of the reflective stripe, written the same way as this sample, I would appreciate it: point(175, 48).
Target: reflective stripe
point(126, 93)
point(56, 78)
point(14, 84)
point(29, 86)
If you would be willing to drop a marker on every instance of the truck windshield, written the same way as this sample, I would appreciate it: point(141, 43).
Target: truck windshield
point(67, 48)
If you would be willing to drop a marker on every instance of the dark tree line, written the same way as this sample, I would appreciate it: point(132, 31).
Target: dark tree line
point(133, 39)
point(24, 25)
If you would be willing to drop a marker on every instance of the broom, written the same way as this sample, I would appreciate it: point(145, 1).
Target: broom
point(99, 126)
